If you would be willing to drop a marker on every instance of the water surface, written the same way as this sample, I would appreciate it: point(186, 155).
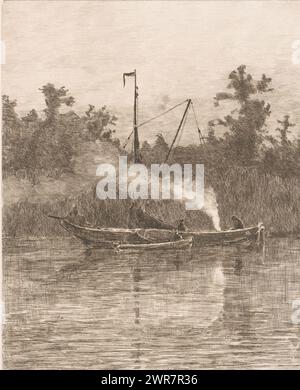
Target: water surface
point(68, 307)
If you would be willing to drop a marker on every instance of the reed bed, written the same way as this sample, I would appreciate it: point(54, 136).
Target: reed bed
point(247, 193)
point(30, 219)
point(258, 197)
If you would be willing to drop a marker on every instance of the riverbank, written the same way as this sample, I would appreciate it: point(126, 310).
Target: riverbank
point(259, 197)
point(254, 197)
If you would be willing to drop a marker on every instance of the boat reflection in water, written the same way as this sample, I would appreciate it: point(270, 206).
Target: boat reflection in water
point(202, 308)
point(171, 296)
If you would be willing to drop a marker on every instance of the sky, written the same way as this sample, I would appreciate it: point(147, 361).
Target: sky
point(180, 49)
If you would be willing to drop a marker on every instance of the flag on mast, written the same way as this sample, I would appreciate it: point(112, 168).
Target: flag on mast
point(127, 75)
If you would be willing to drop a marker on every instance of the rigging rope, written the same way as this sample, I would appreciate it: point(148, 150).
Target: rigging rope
point(163, 113)
point(201, 138)
point(152, 119)
point(127, 140)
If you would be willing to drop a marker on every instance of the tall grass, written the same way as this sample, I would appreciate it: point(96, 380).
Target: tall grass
point(30, 219)
point(255, 197)
point(251, 195)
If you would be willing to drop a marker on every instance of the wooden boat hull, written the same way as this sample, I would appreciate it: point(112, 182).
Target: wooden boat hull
point(110, 237)
point(171, 245)
point(227, 237)
point(101, 237)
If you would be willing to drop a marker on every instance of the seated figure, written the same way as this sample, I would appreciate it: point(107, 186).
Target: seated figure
point(236, 223)
point(181, 226)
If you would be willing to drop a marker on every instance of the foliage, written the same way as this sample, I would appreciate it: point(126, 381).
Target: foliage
point(35, 145)
point(98, 122)
point(245, 126)
point(54, 98)
point(246, 139)
point(157, 153)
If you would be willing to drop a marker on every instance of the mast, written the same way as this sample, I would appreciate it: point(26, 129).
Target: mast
point(136, 143)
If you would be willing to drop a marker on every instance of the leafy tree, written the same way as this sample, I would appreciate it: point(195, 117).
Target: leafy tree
point(282, 157)
point(160, 149)
point(11, 135)
point(31, 117)
point(50, 149)
point(146, 152)
point(211, 136)
point(54, 98)
point(154, 154)
point(246, 130)
point(98, 124)
point(284, 130)
point(9, 115)
point(47, 146)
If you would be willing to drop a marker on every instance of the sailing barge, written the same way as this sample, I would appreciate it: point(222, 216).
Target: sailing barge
point(156, 233)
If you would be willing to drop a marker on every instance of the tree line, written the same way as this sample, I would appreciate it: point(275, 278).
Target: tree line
point(246, 140)
point(35, 145)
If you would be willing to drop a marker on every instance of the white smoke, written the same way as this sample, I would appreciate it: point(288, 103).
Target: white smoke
point(211, 207)
point(208, 205)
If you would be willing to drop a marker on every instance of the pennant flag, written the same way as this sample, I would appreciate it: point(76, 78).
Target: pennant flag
point(127, 75)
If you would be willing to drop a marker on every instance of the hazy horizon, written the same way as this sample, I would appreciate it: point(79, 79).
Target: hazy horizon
point(180, 50)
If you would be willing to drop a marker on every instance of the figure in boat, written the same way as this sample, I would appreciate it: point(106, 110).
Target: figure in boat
point(181, 226)
point(236, 223)
point(177, 235)
point(75, 217)
point(136, 212)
